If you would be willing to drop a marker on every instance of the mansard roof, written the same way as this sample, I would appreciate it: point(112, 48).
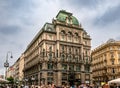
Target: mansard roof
point(62, 15)
point(48, 27)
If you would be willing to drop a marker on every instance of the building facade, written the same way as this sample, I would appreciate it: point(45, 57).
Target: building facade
point(10, 72)
point(106, 61)
point(21, 67)
point(59, 53)
point(16, 70)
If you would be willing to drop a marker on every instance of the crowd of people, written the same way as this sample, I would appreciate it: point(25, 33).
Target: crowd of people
point(75, 86)
point(113, 85)
point(62, 86)
point(48, 86)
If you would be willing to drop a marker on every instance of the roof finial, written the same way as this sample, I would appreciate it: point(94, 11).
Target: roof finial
point(80, 25)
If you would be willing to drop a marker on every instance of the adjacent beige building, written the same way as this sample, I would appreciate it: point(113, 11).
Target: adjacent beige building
point(21, 67)
point(10, 72)
point(16, 70)
point(106, 61)
point(59, 53)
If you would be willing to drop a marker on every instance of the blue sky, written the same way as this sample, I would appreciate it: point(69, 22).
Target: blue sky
point(20, 20)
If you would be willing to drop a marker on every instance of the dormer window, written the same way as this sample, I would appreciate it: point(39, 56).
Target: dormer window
point(49, 29)
point(68, 20)
point(50, 37)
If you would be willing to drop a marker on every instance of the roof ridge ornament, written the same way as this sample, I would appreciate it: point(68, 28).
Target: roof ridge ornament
point(111, 40)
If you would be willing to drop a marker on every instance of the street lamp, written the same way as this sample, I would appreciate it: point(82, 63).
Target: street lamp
point(6, 64)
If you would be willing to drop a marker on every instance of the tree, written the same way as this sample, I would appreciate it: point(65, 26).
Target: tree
point(10, 79)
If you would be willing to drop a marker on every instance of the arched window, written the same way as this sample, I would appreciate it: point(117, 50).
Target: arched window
point(71, 67)
point(50, 48)
point(76, 37)
point(62, 48)
point(69, 58)
point(50, 66)
point(87, 68)
point(63, 57)
point(78, 68)
point(76, 58)
point(64, 66)
point(76, 51)
point(50, 37)
point(70, 50)
point(50, 53)
point(63, 35)
point(69, 36)
point(76, 34)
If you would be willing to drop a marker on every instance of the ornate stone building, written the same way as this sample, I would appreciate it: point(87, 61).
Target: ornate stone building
point(106, 61)
point(59, 53)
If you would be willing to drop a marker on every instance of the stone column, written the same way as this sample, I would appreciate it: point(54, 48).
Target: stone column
point(44, 73)
point(82, 74)
point(59, 74)
point(82, 77)
point(38, 74)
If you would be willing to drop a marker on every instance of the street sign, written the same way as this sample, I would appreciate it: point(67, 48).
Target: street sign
point(6, 64)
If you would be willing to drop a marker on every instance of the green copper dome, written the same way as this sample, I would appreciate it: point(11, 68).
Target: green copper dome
point(75, 21)
point(62, 15)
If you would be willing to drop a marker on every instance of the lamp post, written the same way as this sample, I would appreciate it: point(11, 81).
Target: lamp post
point(6, 64)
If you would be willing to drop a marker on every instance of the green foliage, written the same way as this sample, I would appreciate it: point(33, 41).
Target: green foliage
point(10, 79)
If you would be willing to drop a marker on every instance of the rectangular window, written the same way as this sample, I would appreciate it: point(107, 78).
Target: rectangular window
point(76, 39)
point(50, 37)
point(71, 67)
point(50, 66)
point(69, 38)
point(112, 55)
point(62, 57)
point(69, 50)
point(50, 79)
point(64, 67)
point(78, 67)
point(62, 37)
point(87, 68)
point(50, 56)
point(40, 66)
point(112, 62)
point(76, 59)
point(69, 58)
point(113, 70)
point(62, 48)
point(50, 73)
point(64, 76)
point(76, 51)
